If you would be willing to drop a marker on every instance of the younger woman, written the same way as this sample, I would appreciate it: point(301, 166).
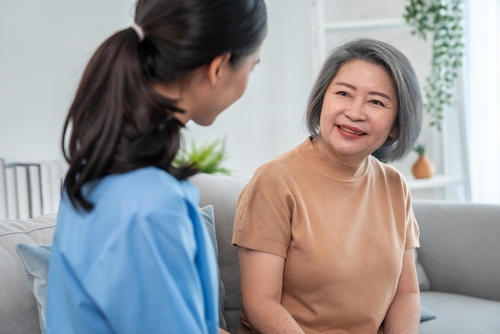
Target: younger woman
point(130, 252)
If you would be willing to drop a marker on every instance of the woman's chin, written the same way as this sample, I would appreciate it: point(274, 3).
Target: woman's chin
point(204, 121)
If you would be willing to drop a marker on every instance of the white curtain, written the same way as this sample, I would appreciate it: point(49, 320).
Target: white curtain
point(482, 93)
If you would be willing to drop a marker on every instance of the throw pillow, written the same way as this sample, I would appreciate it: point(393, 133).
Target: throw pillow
point(36, 264)
point(423, 280)
point(425, 314)
point(207, 213)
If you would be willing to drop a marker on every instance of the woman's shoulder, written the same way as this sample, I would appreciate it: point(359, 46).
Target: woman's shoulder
point(145, 177)
point(276, 176)
point(274, 170)
point(389, 173)
point(146, 188)
point(377, 165)
point(283, 163)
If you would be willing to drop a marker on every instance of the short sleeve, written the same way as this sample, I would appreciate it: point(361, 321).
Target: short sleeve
point(411, 226)
point(264, 213)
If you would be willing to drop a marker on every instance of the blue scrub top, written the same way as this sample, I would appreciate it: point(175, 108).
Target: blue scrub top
point(140, 262)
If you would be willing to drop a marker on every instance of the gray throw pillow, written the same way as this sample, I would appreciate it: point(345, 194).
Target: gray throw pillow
point(423, 280)
point(424, 285)
point(36, 264)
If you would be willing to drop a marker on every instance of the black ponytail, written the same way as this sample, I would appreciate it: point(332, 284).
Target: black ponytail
point(118, 122)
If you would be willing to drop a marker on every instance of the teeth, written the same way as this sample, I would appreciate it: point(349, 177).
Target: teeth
point(350, 131)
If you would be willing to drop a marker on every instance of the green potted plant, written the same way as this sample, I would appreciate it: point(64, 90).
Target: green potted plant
point(442, 19)
point(207, 158)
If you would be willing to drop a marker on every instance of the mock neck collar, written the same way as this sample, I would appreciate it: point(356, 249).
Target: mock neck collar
point(328, 167)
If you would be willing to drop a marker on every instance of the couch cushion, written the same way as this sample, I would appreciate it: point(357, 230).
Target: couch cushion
point(460, 314)
point(223, 192)
point(460, 247)
point(18, 309)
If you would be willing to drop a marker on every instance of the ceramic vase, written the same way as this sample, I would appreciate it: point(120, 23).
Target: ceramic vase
point(423, 168)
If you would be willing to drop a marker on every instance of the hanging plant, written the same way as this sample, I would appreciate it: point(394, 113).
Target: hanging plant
point(443, 20)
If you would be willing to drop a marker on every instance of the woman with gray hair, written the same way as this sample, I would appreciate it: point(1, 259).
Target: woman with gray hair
point(326, 232)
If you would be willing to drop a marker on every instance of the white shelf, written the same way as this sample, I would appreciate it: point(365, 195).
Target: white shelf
point(437, 181)
point(365, 24)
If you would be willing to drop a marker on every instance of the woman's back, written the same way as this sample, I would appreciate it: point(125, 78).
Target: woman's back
point(143, 234)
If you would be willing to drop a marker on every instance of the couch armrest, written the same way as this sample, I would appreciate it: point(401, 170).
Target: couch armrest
point(18, 309)
point(460, 247)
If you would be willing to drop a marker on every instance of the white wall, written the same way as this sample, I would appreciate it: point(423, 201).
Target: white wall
point(44, 46)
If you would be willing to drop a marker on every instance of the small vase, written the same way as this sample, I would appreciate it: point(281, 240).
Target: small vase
point(423, 168)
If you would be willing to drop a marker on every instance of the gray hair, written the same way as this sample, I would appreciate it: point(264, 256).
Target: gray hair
point(409, 117)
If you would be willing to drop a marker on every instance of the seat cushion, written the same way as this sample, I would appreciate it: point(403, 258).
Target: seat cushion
point(458, 314)
point(18, 309)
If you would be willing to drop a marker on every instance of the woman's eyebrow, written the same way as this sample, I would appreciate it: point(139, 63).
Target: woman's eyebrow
point(340, 83)
point(345, 84)
point(380, 94)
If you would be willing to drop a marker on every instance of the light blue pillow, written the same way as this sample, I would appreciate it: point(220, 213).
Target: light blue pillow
point(425, 314)
point(207, 213)
point(36, 264)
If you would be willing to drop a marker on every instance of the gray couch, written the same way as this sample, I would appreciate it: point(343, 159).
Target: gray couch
point(459, 262)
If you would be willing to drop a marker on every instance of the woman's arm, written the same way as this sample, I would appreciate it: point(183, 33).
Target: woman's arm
point(261, 286)
point(404, 313)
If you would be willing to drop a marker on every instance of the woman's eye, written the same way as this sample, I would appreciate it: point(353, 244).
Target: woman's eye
point(342, 93)
point(377, 102)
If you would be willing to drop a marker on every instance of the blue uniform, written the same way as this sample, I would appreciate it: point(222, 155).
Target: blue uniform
point(140, 262)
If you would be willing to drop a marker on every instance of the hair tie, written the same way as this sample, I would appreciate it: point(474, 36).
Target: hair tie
point(138, 30)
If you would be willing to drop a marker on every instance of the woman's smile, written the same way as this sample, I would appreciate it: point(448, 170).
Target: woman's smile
point(350, 132)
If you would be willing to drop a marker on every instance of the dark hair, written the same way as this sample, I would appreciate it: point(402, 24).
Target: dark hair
point(118, 122)
point(409, 119)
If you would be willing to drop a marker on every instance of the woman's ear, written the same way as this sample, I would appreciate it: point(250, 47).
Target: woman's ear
point(217, 67)
point(393, 132)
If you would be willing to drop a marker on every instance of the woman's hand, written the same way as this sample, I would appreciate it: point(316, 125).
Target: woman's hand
point(404, 313)
point(261, 286)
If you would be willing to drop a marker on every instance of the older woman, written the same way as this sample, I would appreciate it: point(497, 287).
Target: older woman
point(326, 232)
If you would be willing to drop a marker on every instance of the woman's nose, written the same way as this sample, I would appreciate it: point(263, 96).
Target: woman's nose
point(356, 111)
